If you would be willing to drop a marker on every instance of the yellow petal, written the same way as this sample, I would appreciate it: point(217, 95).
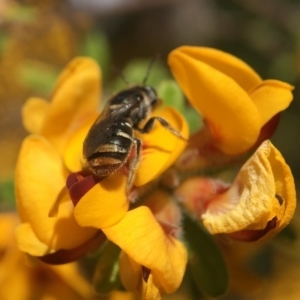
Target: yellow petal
point(140, 236)
point(250, 203)
point(165, 210)
point(103, 205)
point(39, 182)
point(226, 63)
point(8, 221)
point(34, 113)
point(160, 147)
point(132, 279)
point(150, 290)
point(231, 115)
point(130, 272)
point(119, 295)
point(71, 275)
point(75, 97)
point(73, 152)
point(28, 242)
point(270, 98)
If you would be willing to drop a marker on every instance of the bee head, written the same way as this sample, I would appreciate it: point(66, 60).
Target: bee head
point(151, 95)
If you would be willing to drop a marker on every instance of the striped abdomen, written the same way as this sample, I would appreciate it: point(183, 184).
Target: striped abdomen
point(113, 154)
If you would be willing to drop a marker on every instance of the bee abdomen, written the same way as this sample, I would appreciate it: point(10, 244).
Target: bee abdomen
point(109, 157)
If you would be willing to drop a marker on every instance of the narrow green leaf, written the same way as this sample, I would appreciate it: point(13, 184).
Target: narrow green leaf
point(170, 93)
point(206, 262)
point(106, 276)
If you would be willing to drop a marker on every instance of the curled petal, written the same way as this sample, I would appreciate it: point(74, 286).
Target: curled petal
point(74, 99)
point(161, 147)
point(34, 113)
point(221, 101)
point(103, 205)
point(285, 188)
point(263, 190)
point(270, 98)
point(39, 182)
point(228, 64)
point(141, 238)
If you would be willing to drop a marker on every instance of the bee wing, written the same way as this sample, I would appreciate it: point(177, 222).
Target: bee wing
point(104, 126)
point(98, 135)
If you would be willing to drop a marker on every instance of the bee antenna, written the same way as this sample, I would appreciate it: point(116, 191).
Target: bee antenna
point(153, 60)
point(119, 72)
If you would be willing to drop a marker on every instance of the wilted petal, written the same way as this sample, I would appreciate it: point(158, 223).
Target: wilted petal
point(103, 205)
point(161, 147)
point(263, 191)
point(75, 98)
point(34, 113)
point(270, 98)
point(232, 117)
point(228, 64)
point(40, 181)
point(143, 240)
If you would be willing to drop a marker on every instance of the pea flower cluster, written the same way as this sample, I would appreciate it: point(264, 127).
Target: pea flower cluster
point(66, 212)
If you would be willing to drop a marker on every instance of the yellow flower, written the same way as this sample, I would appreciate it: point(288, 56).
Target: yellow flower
point(234, 101)
point(21, 280)
point(153, 259)
point(40, 170)
point(64, 213)
point(258, 204)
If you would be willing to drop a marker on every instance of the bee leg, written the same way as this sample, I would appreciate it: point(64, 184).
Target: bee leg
point(135, 161)
point(150, 123)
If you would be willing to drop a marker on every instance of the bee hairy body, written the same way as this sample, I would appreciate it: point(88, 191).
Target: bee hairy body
point(111, 139)
point(113, 154)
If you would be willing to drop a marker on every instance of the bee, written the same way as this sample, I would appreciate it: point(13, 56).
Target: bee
point(111, 138)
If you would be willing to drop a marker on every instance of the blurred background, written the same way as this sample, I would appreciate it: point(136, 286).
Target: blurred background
point(38, 38)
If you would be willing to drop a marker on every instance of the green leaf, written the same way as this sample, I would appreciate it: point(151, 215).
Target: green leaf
point(20, 13)
point(3, 41)
point(106, 276)
point(193, 118)
point(97, 47)
point(38, 76)
point(289, 233)
point(170, 93)
point(7, 195)
point(135, 73)
point(206, 262)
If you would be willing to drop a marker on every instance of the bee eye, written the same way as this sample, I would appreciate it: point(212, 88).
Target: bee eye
point(138, 97)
